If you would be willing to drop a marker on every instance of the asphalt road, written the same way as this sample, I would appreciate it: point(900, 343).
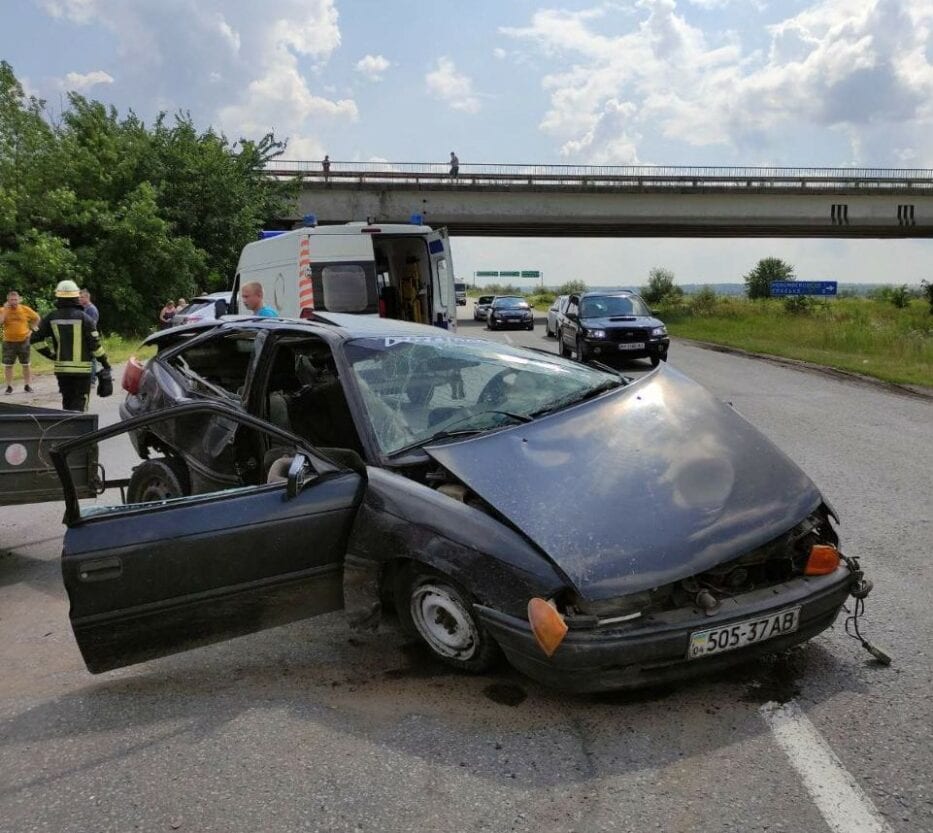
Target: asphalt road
point(311, 727)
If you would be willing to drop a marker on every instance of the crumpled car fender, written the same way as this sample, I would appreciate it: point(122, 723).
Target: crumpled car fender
point(402, 521)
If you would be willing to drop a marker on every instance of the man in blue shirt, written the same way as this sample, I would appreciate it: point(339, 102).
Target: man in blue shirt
point(89, 309)
point(251, 293)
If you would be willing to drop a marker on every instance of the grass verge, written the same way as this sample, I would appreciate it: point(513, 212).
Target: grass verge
point(873, 338)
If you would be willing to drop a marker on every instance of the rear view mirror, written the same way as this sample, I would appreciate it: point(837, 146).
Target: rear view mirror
point(297, 476)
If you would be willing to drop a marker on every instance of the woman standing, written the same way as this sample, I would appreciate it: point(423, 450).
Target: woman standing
point(166, 316)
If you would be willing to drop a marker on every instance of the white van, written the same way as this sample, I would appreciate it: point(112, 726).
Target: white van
point(394, 270)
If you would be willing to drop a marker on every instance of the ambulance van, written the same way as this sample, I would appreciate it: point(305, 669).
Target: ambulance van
point(394, 270)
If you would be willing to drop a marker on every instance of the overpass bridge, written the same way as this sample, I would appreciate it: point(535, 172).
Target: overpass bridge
point(621, 201)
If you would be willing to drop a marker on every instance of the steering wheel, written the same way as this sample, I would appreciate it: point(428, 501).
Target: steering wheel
point(494, 391)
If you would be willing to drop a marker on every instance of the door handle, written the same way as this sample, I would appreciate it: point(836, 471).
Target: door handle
point(101, 569)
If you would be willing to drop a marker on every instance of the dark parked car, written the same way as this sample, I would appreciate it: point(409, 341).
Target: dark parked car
point(481, 308)
point(510, 311)
point(610, 326)
point(602, 533)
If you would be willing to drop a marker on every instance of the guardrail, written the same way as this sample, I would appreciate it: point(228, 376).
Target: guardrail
point(920, 179)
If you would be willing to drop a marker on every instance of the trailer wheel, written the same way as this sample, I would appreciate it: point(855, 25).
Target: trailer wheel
point(162, 478)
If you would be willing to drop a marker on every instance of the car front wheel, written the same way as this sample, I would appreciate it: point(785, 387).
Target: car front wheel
point(441, 614)
point(655, 359)
point(162, 478)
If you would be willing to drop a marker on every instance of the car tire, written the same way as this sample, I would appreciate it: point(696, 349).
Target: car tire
point(158, 479)
point(655, 359)
point(530, 327)
point(440, 614)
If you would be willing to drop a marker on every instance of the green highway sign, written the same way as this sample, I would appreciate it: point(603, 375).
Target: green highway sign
point(530, 273)
point(492, 274)
point(515, 274)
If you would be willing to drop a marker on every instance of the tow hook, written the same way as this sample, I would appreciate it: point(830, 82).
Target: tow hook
point(859, 588)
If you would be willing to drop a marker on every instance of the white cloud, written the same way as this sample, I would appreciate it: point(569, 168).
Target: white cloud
point(452, 87)
point(244, 72)
point(866, 70)
point(80, 11)
point(372, 66)
point(81, 82)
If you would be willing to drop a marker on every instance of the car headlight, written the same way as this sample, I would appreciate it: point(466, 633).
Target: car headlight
point(659, 331)
point(595, 333)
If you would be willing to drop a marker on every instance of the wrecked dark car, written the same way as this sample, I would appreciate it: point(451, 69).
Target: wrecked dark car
point(600, 532)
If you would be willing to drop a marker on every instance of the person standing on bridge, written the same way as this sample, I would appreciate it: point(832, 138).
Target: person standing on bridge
point(325, 164)
point(454, 164)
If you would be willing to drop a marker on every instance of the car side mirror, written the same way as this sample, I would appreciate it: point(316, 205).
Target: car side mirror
point(572, 316)
point(297, 476)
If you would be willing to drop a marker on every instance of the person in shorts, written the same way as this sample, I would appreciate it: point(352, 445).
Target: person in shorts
point(18, 322)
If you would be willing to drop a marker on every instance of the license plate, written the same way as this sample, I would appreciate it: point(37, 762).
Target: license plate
point(740, 634)
point(634, 345)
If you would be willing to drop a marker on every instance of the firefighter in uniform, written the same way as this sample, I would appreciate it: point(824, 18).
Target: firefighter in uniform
point(68, 337)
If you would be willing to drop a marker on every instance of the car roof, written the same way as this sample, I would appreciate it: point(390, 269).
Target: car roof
point(608, 293)
point(211, 296)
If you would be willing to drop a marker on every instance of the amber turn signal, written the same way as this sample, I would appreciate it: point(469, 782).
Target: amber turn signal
point(824, 558)
point(547, 625)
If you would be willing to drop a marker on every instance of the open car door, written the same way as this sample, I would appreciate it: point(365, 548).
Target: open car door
point(167, 574)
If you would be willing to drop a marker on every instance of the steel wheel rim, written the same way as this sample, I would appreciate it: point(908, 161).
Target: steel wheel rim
point(156, 489)
point(443, 622)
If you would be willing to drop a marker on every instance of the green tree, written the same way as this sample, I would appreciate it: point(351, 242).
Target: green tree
point(768, 269)
point(571, 287)
point(137, 214)
point(927, 289)
point(661, 287)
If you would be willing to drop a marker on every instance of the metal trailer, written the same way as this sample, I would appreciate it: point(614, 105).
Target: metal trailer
point(27, 474)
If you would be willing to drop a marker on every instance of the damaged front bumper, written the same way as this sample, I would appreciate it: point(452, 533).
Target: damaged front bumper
point(653, 649)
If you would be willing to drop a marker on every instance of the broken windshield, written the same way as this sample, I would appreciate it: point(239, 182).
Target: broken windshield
point(416, 389)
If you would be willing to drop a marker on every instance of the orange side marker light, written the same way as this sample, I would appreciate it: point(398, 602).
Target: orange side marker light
point(824, 559)
point(547, 625)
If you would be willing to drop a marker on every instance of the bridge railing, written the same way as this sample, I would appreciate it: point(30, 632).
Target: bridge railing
point(472, 174)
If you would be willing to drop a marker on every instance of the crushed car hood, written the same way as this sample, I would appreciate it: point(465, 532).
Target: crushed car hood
point(637, 488)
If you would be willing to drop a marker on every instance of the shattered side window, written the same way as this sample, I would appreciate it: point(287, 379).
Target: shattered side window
point(219, 365)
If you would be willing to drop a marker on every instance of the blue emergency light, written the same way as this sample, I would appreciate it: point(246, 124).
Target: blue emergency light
point(416, 219)
point(265, 235)
point(310, 220)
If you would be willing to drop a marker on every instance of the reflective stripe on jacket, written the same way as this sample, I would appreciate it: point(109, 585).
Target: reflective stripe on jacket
point(69, 337)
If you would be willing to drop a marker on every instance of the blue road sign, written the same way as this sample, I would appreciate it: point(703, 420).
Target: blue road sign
point(779, 288)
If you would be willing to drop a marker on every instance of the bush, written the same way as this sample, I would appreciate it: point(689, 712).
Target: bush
point(571, 287)
point(704, 302)
point(900, 296)
point(798, 304)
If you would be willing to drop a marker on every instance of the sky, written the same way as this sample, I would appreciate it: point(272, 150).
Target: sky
point(671, 82)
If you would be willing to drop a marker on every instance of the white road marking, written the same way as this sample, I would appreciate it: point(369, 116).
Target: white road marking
point(508, 338)
point(837, 795)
